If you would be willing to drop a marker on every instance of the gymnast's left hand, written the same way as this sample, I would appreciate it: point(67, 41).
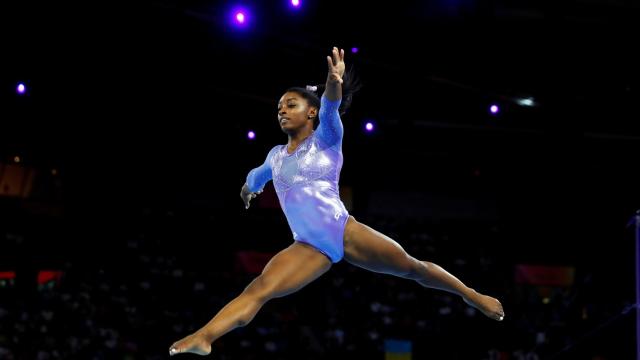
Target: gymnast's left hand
point(336, 65)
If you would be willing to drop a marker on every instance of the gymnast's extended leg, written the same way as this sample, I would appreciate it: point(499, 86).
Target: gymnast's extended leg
point(374, 251)
point(287, 272)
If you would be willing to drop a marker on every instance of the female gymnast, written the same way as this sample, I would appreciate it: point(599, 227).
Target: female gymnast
point(305, 174)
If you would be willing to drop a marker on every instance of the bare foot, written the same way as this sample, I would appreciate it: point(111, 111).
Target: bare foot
point(194, 344)
point(489, 306)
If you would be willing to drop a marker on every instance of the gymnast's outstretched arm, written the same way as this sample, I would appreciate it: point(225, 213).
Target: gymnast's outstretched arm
point(330, 129)
point(257, 179)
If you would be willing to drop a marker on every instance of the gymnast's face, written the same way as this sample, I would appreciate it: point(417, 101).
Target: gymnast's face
point(294, 113)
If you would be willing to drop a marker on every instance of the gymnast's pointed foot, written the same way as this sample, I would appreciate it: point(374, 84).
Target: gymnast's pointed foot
point(489, 306)
point(195, 344)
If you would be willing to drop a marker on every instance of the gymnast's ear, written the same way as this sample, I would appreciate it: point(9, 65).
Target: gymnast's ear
point(313, 113)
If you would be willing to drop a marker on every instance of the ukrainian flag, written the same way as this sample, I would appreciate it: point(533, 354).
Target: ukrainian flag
point(397, 349)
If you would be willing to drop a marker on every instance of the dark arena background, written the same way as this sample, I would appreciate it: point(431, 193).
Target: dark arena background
point(498, 139)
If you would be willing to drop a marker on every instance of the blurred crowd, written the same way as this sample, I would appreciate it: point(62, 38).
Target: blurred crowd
point(131, 293)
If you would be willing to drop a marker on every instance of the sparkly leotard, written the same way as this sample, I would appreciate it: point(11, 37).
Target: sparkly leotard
point(306, 182)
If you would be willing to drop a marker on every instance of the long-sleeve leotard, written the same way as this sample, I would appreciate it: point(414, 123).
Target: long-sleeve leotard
point(306, 182)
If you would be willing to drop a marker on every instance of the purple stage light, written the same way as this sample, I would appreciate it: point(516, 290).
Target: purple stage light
point(240, 17)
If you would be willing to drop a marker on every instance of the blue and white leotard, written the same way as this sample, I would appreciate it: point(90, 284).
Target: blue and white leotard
point(306, 182)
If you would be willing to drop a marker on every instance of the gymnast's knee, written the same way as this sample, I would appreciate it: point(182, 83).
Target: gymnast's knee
point(261, 289)
point(417, 269)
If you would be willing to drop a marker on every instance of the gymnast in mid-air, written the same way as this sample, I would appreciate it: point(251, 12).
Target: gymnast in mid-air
point(305, 174)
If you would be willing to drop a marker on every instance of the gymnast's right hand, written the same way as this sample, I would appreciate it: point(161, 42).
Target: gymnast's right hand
point(247, 195)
